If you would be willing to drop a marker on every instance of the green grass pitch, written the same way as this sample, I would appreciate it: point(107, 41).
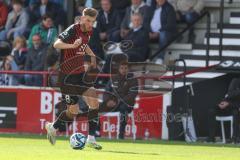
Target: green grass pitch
point(22, 147)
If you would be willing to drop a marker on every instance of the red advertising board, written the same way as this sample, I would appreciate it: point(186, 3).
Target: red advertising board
point(35, 106)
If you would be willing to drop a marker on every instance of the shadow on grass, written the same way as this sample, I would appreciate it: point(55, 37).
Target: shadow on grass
point(135, 153)
point(175, 143)
point(154, 142)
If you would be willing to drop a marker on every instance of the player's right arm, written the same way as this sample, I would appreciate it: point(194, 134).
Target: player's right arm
point(63, 39)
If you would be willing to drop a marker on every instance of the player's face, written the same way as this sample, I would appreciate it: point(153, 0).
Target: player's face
point(123, 69)
point(88, 22)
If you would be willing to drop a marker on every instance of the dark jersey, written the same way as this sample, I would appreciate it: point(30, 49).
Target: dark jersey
point(71, 61)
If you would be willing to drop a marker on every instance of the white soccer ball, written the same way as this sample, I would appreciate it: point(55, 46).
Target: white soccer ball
point(78, 141)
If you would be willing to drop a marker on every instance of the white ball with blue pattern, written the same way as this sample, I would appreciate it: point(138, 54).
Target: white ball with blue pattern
point(78, 141)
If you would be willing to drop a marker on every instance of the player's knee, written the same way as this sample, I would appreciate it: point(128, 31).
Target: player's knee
point(73, 110)
point(69, 115)
point(93, 103)
point(91, 99)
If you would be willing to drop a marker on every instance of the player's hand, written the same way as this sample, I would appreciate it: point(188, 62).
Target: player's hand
point(77, 43)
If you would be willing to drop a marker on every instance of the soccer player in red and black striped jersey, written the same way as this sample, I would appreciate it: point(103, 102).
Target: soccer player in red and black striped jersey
point(73, 43)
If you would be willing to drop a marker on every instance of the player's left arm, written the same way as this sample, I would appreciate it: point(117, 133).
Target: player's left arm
point(93, 56)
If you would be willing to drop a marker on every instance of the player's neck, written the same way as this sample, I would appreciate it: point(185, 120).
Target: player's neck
point(83, 28)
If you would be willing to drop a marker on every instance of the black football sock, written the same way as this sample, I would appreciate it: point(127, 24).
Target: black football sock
point(92, 121)
point(62, 120)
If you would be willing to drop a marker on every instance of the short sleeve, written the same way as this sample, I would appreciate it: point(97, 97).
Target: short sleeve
point(66, 35)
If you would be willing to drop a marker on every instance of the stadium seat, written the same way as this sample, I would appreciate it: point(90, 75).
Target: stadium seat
point(223, 119)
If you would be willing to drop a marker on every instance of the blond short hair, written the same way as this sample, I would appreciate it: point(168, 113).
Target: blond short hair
point(90, 12)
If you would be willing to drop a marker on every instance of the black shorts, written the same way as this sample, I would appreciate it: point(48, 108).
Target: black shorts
point(73, 85)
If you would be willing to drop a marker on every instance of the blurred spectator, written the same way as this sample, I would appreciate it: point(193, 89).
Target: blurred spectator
point(19, 51)
point(3, 14)
point(163, 25)
point(47, 7)
point(35, 61)
point(123, 89)
point(8, 65)
point(5, 48)
point(137, 6)
point(139, 38)
point(77, 19)
point(24, 2)
point(121, 6)
point(45, 29)
point(59, 2)
point(151, 3)
point(8, 3)
point(78, 10)
point(188, 11)
point(17, 22)
point(95, 44)
point(51, 59)
point(108, 22)
point(134, 44)
point(27, 2)
point(230, 105)
point(88, 3)
point(52, 66)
